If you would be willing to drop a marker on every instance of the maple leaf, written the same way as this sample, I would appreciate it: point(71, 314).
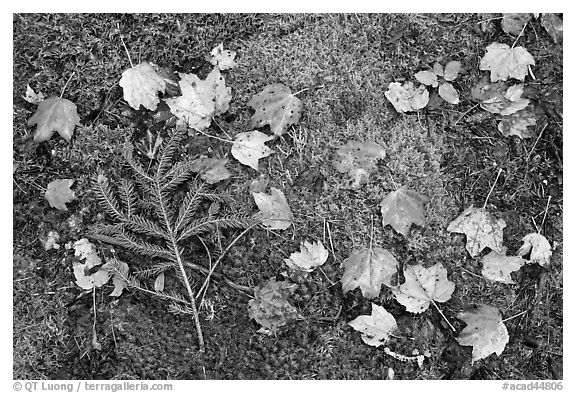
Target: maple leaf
point(554, 26)
point(485, 332)
point(270, 306)
point(481, 230)
point(58, 193)
point(518, 123)
point(375, 328)
point(504, 62)
point(211, 170)
point(83, 249)
point(275, 106)
point(423, 286)
point(274, 211)
point(497, 267)
point(514, 23)
point(538, 247)
point(358, 160)
point(141, 85)
point(223, 58)
point(33, 97)
point(90, 281)
point(54, 114)
point(249, 147)
point(402, 208)
point(310, 256)
point(368, 269)
point(201, 100)
point(406, 98)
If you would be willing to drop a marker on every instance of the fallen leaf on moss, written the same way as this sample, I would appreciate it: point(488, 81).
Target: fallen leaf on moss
point(368, 269)
point(481, 229)
point(249, 147)
point(428, 78)
point(310, 256)
point(452, 70)
point(375, 328)
point(519, 123)
point(449, 93)
point(223, 58)
point(554, 26)
point(423, 286)
point(83, 249)
point(274, 211)
point(538, 247)
point(54, 114)
point(270, 306)
point(485, 332)
point(504, 62)
point(58, 193)
point(407, 98)
point(33, 97)
point(141, 85)
point(211, 170)
point(275, 106)
point(357, 160)
point(497, 267)
point(402, 208)
point(514, 23)
point(90, 281)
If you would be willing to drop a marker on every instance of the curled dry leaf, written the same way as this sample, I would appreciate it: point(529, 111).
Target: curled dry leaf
point(554, 26)
point(428, 78)
point(481, 229)
point(141, 85)
point(54, 114)
point(275, 106)
point(514, 23)
point(310, 256)
point(407, 98)
point(83, 249)
point(159, 282)
point(274, 211)
point(357, 160)
point(58, 193)
point(33, 97)
point(223, 58)
point(90, 281)
point(201, 100)
point(249, 147)
point(485, 332)
point(402, 208)
point(504, 62)
point(368, 269)
point(270, 306)
point(119, 271)
point(211, 170)
point(423, 286)
point(375, 328)
point(497, 267)
point(538, 247)
point(519, 123)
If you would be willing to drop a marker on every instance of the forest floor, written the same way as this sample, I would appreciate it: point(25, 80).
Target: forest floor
point(449, 153)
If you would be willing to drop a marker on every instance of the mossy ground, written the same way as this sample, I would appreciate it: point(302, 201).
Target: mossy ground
point(450, 158)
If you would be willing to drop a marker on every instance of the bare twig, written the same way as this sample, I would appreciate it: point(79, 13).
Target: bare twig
point(66, 84)
point(545, 212)
point(126, 48)
point(515, 316)
point(519, 35)
point(492, 189)
point(465, 113)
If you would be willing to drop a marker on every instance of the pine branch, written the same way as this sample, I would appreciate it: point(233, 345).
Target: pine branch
point(143, 225)
point(142, 247)
point(106, 196)
point(204, 225)
point(166, 153)
point(154, 270)
point(188, 207)
point(174, 179)
point(128, 197)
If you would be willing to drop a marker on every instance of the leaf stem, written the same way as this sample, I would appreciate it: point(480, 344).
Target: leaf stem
point(443, 316)
point(126, 49)
point(545, 213)
point(212, 136)
point(66, 84)
point(492, 189)
point(465, 113)
point(519, 35)
point(515, 316)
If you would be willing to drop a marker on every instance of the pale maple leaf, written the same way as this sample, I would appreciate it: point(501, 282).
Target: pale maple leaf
point(554, 25)
point(310, 256)
point(357, 160)
point(375, 328)
point(274, 211)
point(514, 23)
point(368, 269)
point(504, 62)
point(249, 147)
point(58, 193)
point(54, 114)
point(201, 100)
point(141, 85)
point(33, 97)
point(519, 123)
point(211, 170)
point(275, 106)
point(481, 229)
point(270, 306)
point(485, 332)
point(497, 267)
point(402, 208)
point(223, 58)
point(423, 286)
point(538, 247)
point(407, 98)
